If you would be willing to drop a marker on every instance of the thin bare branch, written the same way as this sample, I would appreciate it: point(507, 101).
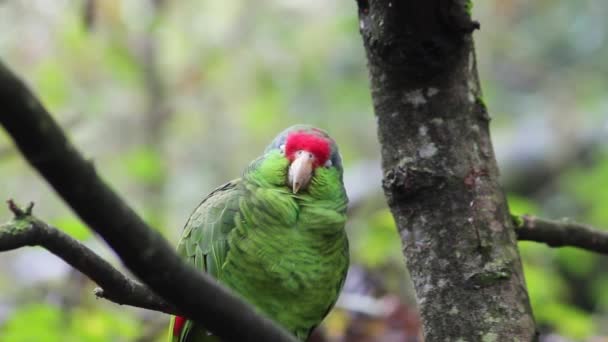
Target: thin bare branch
point(27, 230)
point(561, 233)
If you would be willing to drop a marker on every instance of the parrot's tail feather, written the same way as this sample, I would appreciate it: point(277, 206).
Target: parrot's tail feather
point(178, 325)
point(183, 330)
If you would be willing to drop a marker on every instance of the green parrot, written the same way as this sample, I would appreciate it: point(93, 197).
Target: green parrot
point(276, 235)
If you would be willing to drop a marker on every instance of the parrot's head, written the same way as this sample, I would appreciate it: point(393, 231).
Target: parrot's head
point(306, 148)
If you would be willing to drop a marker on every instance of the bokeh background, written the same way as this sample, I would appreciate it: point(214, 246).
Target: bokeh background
point(172, 98)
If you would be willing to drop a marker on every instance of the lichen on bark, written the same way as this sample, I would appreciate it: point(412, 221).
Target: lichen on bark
point(440, 174)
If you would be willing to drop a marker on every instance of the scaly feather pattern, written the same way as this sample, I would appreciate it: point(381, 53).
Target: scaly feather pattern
point(285, 253)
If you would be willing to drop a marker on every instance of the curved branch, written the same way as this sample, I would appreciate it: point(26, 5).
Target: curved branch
point(561, 233)
point(27, 230)
point(143, 250)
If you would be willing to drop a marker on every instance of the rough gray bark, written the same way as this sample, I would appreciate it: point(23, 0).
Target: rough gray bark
point(440, 175)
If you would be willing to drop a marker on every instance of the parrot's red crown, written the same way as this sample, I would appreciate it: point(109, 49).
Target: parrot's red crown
point(313, 143)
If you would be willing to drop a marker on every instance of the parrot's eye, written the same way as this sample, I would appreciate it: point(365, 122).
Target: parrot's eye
point(328, 163)
point(282, 148)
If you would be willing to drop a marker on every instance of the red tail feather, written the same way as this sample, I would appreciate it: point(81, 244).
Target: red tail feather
point(178, 325)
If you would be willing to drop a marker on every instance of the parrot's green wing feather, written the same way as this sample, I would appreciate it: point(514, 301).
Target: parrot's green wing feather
point(204, 242)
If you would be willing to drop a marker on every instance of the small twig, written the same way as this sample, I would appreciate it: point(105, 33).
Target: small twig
point(27, 230)
point(561, 233)
point(18, 211)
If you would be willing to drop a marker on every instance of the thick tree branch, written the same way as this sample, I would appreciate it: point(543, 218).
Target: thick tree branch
point(27, 230)
point(143, 250)
point(561, 233)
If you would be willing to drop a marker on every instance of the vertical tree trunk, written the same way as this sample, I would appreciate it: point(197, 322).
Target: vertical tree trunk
point(440, 174)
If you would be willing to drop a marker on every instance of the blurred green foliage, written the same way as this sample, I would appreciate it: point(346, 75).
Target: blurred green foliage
point(586, 184)
point(72, 226)
point(144, 165)
point(42, 322)
point(378, 241)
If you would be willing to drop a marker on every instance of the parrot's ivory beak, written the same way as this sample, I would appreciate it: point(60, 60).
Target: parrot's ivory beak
point(300, 170)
